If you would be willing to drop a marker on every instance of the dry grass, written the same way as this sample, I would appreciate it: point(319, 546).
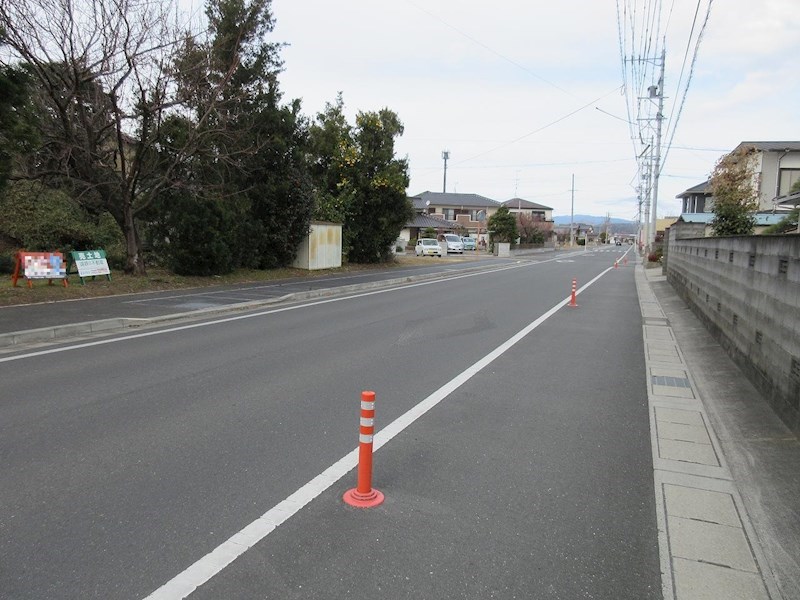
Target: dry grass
point(156, 280)
point(159, 280)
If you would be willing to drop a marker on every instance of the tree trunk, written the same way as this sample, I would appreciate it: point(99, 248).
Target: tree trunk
point(134, 264)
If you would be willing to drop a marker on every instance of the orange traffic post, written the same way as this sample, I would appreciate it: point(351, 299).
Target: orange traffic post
point(572, 301)
point(364, 496)
point(616, 264)
point(625, 261)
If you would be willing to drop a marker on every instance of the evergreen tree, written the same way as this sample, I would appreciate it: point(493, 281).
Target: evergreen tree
point(253, 165)
point(503, 226)
point(17, 134)
point(359, 182)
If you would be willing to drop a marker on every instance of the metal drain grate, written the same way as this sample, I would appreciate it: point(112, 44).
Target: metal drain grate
point(680, 382)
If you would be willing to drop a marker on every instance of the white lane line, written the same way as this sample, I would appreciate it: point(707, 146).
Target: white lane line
point(135, 336)
point(214, 562)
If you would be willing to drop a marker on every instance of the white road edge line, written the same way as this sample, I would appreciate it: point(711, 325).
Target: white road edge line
point(135, 336)
point(214, 562)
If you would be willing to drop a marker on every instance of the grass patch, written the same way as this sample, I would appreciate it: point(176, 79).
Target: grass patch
point(156, 280)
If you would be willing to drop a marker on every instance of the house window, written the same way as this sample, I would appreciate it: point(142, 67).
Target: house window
point(694, 204)
point(449, 214)
point(787, 178)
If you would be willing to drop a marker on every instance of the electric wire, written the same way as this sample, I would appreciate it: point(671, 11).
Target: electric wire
point(685, 56)
point(542, 128)
point(688, 83)
point(642, 38)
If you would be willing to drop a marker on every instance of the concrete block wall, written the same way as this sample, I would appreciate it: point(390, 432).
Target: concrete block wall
point(746, 289)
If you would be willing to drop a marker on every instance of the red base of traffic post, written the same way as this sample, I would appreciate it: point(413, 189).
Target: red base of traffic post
point(364, 496)
point(353, 498)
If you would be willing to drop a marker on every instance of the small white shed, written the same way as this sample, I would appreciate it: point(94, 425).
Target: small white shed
point(322, 249)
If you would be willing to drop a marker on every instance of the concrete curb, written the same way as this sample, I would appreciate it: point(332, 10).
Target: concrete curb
point(65, 332)
point(60, 332)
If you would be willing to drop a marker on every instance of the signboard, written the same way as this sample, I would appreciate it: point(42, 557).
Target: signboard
point(40, 265)
point(91, 263)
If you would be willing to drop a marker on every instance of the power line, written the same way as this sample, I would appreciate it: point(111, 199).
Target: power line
point(688, 80)
point(489, 48)
point(542, 128)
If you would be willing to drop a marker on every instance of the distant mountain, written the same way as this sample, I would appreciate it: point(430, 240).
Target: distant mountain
point(590, 220)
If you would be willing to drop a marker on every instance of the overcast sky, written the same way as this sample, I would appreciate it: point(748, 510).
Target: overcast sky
point(516, 90)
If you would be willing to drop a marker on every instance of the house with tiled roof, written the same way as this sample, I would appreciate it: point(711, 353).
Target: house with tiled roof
point(467, 211)
point(539, 212)
point(414, 228)
point(531, 215)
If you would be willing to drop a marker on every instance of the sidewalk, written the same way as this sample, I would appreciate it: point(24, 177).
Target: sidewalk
point(725, 467)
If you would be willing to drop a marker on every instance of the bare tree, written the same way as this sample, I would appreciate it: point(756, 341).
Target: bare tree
point(104, 88)
point(531, 229)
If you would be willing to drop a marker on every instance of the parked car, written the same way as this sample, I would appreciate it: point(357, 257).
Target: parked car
point(469, 243)
point(451, 243)
point(428, 247)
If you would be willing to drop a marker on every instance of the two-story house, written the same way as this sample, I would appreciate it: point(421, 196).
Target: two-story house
point(540, 215)
point(776, 166)
point(467, 211)
point(697, 199)
point(537, 212)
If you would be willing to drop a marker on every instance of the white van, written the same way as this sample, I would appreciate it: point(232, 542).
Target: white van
point(452, 242)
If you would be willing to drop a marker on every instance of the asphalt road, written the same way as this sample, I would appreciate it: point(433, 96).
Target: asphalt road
point(155, 304)
point(127, 460)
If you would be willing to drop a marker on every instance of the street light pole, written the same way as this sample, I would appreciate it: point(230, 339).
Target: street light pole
point(445, 156)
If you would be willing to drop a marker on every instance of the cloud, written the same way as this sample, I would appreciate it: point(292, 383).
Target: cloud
point(473, 78)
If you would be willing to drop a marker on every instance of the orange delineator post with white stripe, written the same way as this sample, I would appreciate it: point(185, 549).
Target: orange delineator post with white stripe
point(572, 301)
point(364, 496)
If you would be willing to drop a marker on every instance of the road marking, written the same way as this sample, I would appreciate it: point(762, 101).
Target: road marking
point(214, 562)
point(281, 283)
point(135, 336)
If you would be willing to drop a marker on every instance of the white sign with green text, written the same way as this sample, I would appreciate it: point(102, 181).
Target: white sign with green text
point(91, 263)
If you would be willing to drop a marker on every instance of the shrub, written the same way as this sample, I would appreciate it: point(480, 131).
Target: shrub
point(44, 219)
point(7, 263)
point(194, 235)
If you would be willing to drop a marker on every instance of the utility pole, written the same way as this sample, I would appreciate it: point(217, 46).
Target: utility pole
point(650, 158)
point(659, 90)
point(572, 215)
point(445, 156)
point(648, 192)
point(639, 218)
